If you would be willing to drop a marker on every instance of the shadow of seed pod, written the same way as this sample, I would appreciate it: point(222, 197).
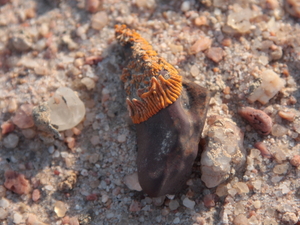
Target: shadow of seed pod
point(168, 142)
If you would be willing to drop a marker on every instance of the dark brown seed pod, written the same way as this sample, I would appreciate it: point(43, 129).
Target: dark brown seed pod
point(169, 115)
point(168, 142)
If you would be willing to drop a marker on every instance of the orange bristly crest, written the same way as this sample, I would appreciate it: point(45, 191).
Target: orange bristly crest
point(150, 82)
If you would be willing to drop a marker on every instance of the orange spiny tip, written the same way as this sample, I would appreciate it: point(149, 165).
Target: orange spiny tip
point(150, 82)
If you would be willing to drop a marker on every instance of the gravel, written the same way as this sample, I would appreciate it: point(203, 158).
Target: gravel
point(85, 176)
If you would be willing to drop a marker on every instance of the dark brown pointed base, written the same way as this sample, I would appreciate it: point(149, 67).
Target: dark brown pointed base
point(168, 142)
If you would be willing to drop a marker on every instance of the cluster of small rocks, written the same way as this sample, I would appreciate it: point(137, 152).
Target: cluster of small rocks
point(245, 52)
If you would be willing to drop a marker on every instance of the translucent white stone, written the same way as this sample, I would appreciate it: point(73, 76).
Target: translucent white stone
point(66, 109)
point(224, 153)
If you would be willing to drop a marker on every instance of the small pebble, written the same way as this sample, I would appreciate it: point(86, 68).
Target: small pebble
point(240, 220)
point(135, 206)
point(188, 203)
point(279, 130)
point(36, 195)
point(3, 214)
point(270, 85)
point(7, 127)
point(209, 200)
point(16, 182)
point(41, 70)
point(122, 138)
point(93, 197)
point(258, 119)
point(18, 218)
point(290, 217)
point(29, 133)
point(89, 83)
point(263, 149)
point(4, 203)
point(147, 4)
point(2, 191)
point(272, 4)
point(176, 220)
point(23, 118)
point(241, 187)
point(104, 198)
point(215, 54)
point(95, 140)
point(3, 2)
point(71, 142)
point(279, 155)
point(295, 160)
point(99, 20)
point(110, 215)
point(11, 141)
point(94, 158)
point(293, 7)
point(173, 205)
point(222, 190)
point(92, 6)
point(201, 21)
point(60, 208)
point(132, 182)
point(185, 6)
point(227, 42)
point(200, 45)
point(74, 221)
point(51, 149)
point(93, 60)
point(12, 105)
point(69, 42)
point(21, 42)
point(257, 204)
point(281, 168)
point(290, 116)
point(158, 201)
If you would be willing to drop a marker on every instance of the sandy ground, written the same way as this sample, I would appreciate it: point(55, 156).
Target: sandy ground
point(79, 179)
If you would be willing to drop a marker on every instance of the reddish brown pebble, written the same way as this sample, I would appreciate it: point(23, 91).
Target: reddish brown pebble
point(285, 72)
point(73, 221)
point(258, 119)
point(272, 4)
point(71, 142)
point(209, 200)
point(293, 7)
point(76, 131)
point(36, 195)
point(216, 69)
point(263, 149)
point(215, 54)
point(92, 197)
point(226, 42)
point(92, 6)
point(23, 118)
point(290, 116)
point(93, 60)
point(3, 2)
point(292, 100)
point(201, 21)
point(7, 127)
point(32, 220)
point(65, 220)
point(226, 90)
point(200, 45)
point(295, 161)
point(16, 182)
point(135, 206)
